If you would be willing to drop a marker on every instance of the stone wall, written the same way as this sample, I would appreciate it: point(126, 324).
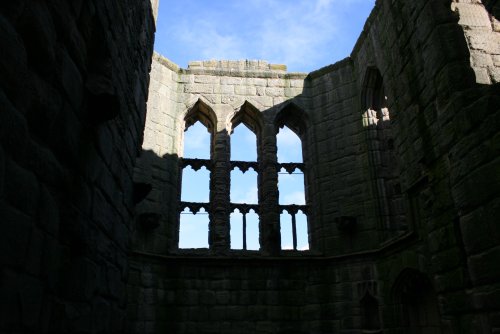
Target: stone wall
point(73, 88)
point(402, 187)
point(482, 32)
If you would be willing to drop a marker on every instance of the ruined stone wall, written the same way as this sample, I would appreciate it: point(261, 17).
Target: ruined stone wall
point(482, 32)
point(444, 132)
point(73, 87)
point(244, 295)
point(402, 176)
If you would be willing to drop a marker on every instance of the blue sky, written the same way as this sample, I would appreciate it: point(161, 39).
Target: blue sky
point(305, 35)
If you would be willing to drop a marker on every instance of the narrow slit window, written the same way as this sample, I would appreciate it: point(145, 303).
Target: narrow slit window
point(244, 230)
point(286, 231)
point(195, 188)
point(291, 187)
point(244, 189)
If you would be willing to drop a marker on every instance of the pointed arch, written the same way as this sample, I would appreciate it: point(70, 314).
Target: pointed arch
point(370, 317)
point(416, 302)
point(202, 112)
point(247, 114)
point(373, 93)
point(294, 117)
point(382, 154)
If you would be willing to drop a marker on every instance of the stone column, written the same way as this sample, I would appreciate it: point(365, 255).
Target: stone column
point(269, 225)
point(219, 236)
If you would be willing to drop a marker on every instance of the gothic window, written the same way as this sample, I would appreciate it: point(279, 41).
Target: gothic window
point(291, 182)
point(195, 181)
point(229, 192)
point(244, 199)
point(382, 153)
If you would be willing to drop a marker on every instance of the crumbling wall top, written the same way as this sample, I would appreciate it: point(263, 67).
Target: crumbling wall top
point(239, 65)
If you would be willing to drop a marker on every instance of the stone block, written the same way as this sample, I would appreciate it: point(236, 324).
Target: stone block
point(275, 91)
point(39, 36)
point(245, 90)
point(31, 297)
point(10, 317)
point(484, 268)
point(231, 81)
point(2, 172)
point(198, 89)
point(14, 239)
point(206, 79)
point(472, 15)
point(71, 80)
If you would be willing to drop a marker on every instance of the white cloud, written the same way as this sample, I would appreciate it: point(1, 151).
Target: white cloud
point(197, 141)
point(289, 146)
point(303, 34)
point(204, 37)
point(249, 197)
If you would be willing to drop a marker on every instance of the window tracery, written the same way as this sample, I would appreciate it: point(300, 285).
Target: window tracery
point(225, 232)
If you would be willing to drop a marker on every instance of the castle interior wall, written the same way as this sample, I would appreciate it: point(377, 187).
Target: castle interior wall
point(73, 88)
point(400, 145)
point(401, 157)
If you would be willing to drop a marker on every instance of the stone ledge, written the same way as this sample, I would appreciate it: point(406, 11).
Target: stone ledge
point(241, 65)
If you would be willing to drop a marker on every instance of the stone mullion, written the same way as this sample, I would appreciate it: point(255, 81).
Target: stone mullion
point(269, 226)
point(219, 238)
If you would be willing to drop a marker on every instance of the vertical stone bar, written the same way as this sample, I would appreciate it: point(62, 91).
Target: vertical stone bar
point(294, 231)
point(269, 219)
point(244, 231)
point(219, 238)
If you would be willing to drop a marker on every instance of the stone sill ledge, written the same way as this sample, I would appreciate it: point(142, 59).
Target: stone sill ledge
point(237, 257)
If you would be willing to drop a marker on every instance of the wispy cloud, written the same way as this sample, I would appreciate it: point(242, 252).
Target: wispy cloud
point(249, 197)
point(197, 142)
point(298, 33)
point(289, 146)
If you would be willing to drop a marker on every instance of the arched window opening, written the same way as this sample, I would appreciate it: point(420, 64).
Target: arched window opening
point(382, 154)
point(370, 318)
point(245, 126)
point(195, 165)
point(193, 229)
point(291, 187)
point(417, 303)
point(244, 188)
point(197, 142)
point(244, 229)
point(243, 144)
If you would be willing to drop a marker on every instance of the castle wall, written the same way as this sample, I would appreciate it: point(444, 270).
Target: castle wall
point(402, 189)
point(73, 87)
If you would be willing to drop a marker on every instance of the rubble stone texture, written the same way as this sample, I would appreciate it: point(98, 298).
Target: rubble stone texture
point(401, 146)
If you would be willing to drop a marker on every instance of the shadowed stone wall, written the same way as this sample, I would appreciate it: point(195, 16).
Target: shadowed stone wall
point(402, 187)
point(73, 88)
point(401, 156)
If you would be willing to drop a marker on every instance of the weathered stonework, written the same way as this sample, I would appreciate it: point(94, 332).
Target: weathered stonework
point(73, 87)
point(397, 144)
point(401, 161)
